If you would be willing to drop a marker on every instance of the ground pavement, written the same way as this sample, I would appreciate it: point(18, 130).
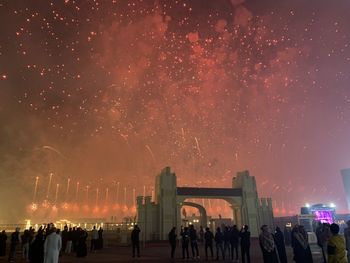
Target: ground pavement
point(159, 252)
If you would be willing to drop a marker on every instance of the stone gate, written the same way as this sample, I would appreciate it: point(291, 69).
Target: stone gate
point(157, 218)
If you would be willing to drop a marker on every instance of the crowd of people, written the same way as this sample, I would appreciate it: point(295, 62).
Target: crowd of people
point(335, 247)
point(48, 243)
point(228, 240)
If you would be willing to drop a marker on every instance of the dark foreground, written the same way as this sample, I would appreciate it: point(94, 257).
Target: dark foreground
point(158, 252)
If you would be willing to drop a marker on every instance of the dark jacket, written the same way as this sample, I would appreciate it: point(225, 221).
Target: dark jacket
point(135, 235)
point(208, 237)
point(172, 237)
point(245, 238)
point(219, 237)
point(193, 235)
point(234, 236)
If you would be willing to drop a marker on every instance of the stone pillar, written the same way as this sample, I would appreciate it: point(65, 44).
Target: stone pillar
point(250, 201)
point(166, 199)
point(266, 212)
point(270, 213)
point(178, 216)
point(237, 215)
point(234, 213)
point(141, 215)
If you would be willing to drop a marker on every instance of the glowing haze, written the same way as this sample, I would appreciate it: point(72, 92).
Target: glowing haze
point(112, 91)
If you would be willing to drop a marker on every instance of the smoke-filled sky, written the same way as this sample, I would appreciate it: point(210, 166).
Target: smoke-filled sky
point(112, 91)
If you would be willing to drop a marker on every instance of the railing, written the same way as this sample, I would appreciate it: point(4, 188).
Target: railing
point(124, 226)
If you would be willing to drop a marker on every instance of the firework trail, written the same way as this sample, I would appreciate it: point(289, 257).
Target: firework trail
point(56, 194)
point(48, 147)
point(35, 188)
point(151, 153)
point(49, 186)
point(198, 148)
point(183, 134)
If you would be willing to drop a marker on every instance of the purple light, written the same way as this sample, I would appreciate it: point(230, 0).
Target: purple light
point(324, 216)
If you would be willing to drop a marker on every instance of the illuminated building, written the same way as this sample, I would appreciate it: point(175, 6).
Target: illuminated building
point(316, 213)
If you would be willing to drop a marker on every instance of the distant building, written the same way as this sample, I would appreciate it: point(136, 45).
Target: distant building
point(157, 218)
point(311, 215)
point(345, 173)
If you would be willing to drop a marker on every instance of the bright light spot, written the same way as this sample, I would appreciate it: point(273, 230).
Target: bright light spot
point(307, 205)
point(332, 205)
point(27, 224)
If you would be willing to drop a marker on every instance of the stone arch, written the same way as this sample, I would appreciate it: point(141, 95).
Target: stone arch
point(234, 202)
point(201, 209)
point(160, 216)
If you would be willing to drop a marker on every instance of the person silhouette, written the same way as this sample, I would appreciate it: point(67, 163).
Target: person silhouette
point(172, 240)
point(234, 239)
point(3, 238)
point(135, 240)
point(280, 244)
point(194, 243)
point(219, 242)
point(185, 239)
point(208, 242)
point(245, 243)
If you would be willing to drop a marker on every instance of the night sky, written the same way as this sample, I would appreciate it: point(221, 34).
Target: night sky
point(110, 91)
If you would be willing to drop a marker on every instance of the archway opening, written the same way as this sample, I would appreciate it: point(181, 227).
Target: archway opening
point(218, 212)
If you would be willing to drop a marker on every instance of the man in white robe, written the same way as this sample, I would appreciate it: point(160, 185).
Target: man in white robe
point(52, 247)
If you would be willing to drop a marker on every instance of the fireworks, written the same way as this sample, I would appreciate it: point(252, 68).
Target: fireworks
point(128, 87)
point(65, 203)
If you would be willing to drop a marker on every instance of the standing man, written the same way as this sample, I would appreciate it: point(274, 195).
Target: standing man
point(219, 242)
point(227, 243)
point(234, 242)
point(69, 241)
point(52, 246)
point(245, 244)
point(135, 240)
point(201, 234)
point(14, 244)
point(64, 238)
point(194, 244)
point(336, 246)
point(100, 238)
point(172, 240)
point(185, 239)
point(347, 239)
point(208, 239)
point(320, 240)
point(25, 244)
point(94, 239)
point(3, 238)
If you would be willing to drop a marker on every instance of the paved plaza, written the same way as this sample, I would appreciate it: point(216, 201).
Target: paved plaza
point(158, 252)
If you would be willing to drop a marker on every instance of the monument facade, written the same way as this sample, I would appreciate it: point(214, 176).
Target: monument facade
point(157, 218)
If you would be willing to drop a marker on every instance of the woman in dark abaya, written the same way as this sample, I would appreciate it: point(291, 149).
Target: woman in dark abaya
point(3, 238)
point(82, 247)
point(36, 248)
point(100, 238)
point(267, 245)
point(301, 248)
point(281, 248)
